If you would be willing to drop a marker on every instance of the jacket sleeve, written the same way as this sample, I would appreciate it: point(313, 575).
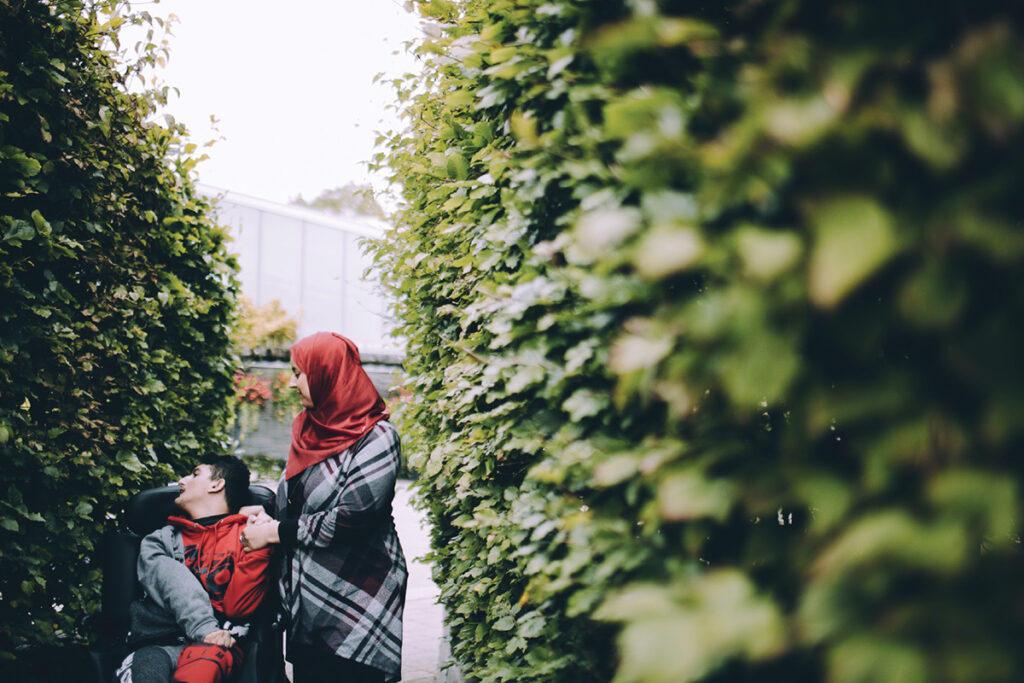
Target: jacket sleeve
point(173, 587)
point(249, 583)
point(367, 489)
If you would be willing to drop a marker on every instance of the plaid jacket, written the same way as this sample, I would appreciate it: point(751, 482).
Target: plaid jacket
point(343, 585)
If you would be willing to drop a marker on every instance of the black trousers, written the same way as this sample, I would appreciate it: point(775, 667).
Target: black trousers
point(312, 665)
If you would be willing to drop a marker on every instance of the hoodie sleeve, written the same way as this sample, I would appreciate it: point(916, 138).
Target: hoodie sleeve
point(173, 587)
point(248, 582)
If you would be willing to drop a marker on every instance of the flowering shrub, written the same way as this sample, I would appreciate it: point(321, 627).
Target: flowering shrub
point(399, 396)
point(251, 389)
point(263, 330)
point(251, 393)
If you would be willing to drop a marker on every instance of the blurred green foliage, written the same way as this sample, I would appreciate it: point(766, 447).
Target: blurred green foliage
point(713, 322)
point(118, 296)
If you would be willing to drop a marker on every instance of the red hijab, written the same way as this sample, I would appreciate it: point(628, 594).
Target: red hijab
point(345, 403)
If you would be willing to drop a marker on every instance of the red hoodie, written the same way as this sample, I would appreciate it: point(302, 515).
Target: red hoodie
point(235, 580)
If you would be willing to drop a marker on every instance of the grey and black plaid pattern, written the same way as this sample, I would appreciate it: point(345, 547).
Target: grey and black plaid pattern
point(344, 585)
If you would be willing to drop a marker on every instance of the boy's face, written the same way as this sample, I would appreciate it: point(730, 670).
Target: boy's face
point(195, 486)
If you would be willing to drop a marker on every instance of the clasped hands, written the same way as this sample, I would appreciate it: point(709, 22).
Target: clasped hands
point(260, 531)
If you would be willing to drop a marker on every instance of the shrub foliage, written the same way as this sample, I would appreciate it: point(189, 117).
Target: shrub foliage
point(713, 316)
point(117, 301)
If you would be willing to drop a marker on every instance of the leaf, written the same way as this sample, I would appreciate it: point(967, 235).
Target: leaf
point(19, 231)
point(25, 165)
point(865, 659)
point(531, 625)
point(457, 167)
point(990, 499)
point(632, 352)
point(827, 498)
point(853, 237)
point(598, 231)
point(503, 54)
point(894, 537)
point(615, 470)
point(680, 633)
point(131, 463)
point(667, 250)
point(525, 377)
point(459, 98)
point(762, 370)
point(584, 403)
point(560, 65)
point(766, 254)
point(505, 623)
point(666, 206)
point(42, 226)
point(942, 147)
point(688, 495)
point(799, 122)
point(933, 297)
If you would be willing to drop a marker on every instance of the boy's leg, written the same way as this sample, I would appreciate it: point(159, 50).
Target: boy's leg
point(203, 663)
point(151, 663)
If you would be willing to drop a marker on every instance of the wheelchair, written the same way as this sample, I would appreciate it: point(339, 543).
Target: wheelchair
point(145, 512)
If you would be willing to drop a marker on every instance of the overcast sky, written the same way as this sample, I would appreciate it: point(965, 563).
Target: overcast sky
point(291, 85)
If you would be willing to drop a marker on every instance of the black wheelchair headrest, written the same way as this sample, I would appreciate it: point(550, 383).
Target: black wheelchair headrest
point(149, 509)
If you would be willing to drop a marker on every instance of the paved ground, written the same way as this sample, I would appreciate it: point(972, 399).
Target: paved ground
point(422, 623)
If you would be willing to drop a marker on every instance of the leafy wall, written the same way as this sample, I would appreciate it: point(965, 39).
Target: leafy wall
point(713, 320)
point(117, 300)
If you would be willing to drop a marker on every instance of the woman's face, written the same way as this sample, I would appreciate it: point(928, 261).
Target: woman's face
point(300, 383)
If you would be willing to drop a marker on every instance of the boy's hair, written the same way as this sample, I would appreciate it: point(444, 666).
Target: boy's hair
point(235, 475)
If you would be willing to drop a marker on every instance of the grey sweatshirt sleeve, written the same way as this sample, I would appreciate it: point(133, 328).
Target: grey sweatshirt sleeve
point(173, 587)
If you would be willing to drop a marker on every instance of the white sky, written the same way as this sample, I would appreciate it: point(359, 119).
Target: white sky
point(291, 84)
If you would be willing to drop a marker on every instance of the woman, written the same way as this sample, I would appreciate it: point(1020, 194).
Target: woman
point(343, 574)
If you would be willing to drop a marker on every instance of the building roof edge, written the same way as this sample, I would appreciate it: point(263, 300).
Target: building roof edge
point(363, 225)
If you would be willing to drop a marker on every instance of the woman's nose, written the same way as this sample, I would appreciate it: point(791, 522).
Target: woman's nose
point(293, 382)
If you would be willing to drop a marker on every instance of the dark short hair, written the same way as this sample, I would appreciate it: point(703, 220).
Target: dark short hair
point(235, 475)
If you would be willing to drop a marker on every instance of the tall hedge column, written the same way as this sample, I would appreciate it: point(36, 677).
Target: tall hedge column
point(117, 300)
point(713, 326)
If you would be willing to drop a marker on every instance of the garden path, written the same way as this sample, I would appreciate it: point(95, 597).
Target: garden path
point(422, 630)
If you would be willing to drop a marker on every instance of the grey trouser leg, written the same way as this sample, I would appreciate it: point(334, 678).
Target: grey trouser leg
point(151, 664)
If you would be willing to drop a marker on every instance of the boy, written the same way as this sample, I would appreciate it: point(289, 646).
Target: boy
point(199, 585)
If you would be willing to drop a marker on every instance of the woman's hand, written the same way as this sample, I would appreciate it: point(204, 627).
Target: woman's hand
point(258, 535)
point(260, 517)
point(250, 510)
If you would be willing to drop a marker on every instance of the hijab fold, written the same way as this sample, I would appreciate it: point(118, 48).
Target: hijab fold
point(346, 405)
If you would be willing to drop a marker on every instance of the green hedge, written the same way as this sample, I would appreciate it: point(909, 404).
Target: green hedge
point(117, 300)
point(714, 321)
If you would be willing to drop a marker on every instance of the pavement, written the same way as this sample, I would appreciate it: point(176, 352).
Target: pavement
point(422, 622)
